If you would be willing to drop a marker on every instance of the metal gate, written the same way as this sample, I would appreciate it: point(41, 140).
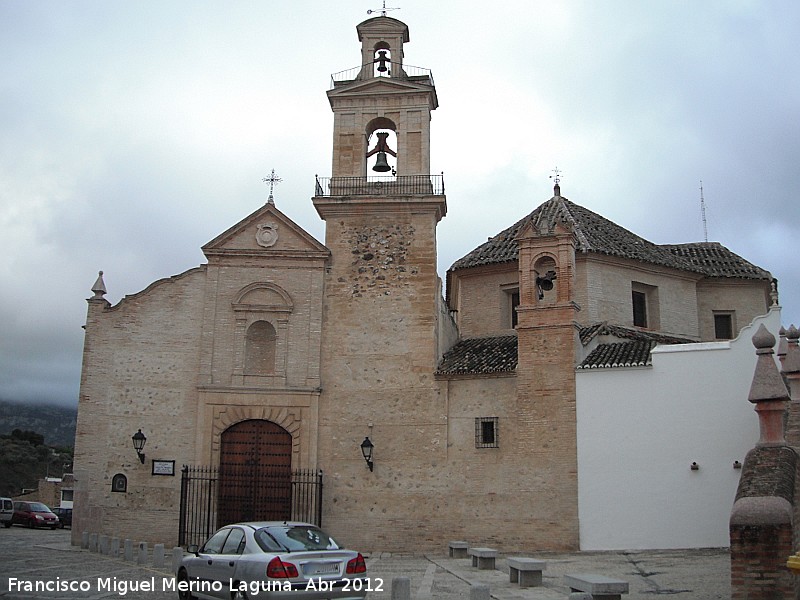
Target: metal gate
point(202, 509)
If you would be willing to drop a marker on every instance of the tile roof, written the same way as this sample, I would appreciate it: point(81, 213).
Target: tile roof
point(597, 234)
point(476, 356)
point(498, 354)
point(604, 328)
point(715, 260)
point(619, 354)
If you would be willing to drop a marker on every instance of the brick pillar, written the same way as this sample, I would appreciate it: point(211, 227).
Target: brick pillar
point(761, 523)
point(547, 339)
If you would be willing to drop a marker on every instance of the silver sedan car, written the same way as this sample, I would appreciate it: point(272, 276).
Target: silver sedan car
point(278, 560)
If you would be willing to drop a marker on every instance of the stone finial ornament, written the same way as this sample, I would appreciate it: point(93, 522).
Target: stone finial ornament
point(773, 292)
point(768, 392)
point(99, 287)
point(781, 343)
point(791, 360)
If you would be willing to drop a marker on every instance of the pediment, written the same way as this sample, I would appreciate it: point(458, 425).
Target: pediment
point(267, 231)
point(379, 85)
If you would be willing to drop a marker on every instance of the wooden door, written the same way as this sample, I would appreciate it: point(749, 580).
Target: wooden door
point(255, 473)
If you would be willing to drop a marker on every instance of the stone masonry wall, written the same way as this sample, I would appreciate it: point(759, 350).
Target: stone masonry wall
point(761, 526)
point(139, 372)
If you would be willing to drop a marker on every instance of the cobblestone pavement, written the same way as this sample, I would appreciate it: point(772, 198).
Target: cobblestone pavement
point(29, 556)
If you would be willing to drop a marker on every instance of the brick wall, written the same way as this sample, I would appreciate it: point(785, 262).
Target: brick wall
point(761, 525)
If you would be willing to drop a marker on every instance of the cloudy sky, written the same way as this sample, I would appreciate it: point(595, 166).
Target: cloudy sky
point(131, 133)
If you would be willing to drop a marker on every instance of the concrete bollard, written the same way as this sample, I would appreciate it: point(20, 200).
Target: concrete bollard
point(177, 557)
point(158, 556)
point(85, 540)
point(142, 557)
point(92, 542)
point(128, 549)
point(103, 545)
point(479, 591)
point(114, 549)
point(401, 588)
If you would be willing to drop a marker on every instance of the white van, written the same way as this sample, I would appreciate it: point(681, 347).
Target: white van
point(6, 511)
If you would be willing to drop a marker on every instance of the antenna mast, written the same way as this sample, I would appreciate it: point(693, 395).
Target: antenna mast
point(703, 211)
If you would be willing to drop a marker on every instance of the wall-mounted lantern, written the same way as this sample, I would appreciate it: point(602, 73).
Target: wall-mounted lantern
point(139, 440)
point(737, 464)
point(366, 449)
point(695, 467)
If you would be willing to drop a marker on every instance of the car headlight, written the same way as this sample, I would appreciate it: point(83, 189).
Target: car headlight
point(39, 518)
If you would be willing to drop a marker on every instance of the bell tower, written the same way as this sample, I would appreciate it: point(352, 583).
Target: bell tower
point(382, 297)
point(382, 108)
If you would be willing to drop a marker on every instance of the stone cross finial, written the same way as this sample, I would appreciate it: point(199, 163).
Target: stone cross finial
point(768, 392)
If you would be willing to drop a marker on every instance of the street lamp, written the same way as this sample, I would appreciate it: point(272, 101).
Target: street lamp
point(366, 450)
point(139, 440)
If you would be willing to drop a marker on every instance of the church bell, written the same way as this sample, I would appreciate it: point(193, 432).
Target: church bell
point(381, 166)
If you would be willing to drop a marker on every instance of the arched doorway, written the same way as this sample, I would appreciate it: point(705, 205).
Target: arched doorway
point(255, 473)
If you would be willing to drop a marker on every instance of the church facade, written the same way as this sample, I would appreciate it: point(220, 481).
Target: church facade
point(283, 354)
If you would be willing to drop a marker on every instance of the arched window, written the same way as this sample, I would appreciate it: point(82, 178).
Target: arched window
point(119, 483)
point(382, 146)
point(259, 350)
point(382, 61)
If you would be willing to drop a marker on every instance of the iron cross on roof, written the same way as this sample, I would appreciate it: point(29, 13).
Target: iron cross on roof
point(382, 10)
point(271, 179)
point(556, 177)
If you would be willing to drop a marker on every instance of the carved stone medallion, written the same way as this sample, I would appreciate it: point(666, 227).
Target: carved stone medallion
point(267, 234)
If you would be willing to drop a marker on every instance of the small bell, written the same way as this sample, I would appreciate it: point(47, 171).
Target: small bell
point(381, 60)
point(381, 166)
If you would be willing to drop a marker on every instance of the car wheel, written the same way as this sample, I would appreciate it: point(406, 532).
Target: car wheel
point(238, 595)
point(31, 524)
point(8, 524)
point(183, 578)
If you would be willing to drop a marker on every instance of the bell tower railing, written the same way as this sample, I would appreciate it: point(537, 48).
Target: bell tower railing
point(403, 185)
point(396, 70)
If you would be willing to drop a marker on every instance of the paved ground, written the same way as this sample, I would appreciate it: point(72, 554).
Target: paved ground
point(47, 556)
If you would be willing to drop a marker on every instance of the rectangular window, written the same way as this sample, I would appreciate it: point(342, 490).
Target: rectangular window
point(723, 325)
point(644, 301)
point(486, 434)
point(66, 495)
point(639, 309)
point(514, 305)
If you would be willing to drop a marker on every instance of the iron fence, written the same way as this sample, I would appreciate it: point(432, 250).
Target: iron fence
point(203, 509)
point(403, 185)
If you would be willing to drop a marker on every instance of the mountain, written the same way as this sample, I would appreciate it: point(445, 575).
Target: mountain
point(55, 423)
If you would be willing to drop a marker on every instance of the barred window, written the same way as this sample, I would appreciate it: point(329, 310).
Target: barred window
point(486, 433)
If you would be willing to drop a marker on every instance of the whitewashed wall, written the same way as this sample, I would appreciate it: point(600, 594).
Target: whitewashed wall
point(639, 431)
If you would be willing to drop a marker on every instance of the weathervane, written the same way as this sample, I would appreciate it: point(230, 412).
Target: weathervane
point(383, 10)
point(271, 180)
point(556, 177)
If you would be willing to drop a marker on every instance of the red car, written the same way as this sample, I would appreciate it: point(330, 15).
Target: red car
point(34, 514)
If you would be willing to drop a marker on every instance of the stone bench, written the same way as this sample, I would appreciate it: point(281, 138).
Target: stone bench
point(599, 586)
point(525, 571)
point(457, 549)
point(483, 558)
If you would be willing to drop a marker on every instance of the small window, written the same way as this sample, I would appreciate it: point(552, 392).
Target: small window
point(66, 495)
point(215, 543)
point(723, 325)
point(639, 308)
point(235, 542)
point(119, 483)
point(514, 297)
point(486, 432)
